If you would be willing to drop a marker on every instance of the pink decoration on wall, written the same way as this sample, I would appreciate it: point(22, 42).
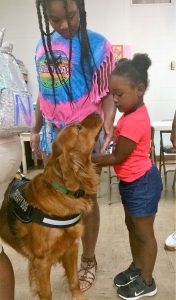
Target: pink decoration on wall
point(118, 51)
point(127, 51)
point(121, 51)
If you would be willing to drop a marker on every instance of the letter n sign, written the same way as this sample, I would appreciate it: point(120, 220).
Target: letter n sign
point(23, 109)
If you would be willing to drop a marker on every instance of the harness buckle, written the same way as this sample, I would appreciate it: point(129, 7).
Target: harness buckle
point(29, 214)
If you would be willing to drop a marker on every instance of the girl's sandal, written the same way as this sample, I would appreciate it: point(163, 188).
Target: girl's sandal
point(87, 272)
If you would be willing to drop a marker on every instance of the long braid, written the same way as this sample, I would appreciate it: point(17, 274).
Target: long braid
point(70, 48)
point(44, 44)
point(53, 60)
point(84, 17)
point(86, 51)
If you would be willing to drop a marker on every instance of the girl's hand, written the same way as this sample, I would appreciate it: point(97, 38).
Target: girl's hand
point(35, 144)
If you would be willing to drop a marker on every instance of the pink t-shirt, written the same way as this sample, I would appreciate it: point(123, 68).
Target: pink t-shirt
point(61, 111)
point(136, 127)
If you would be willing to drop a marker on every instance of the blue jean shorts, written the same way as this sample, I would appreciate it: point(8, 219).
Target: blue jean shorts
point(142, 195)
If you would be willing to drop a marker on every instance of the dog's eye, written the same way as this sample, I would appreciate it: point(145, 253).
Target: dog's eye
point(78, 126)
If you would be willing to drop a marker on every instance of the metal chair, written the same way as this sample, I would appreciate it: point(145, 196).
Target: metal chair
point(166, 149)
point(152, 152)
point(112, 177)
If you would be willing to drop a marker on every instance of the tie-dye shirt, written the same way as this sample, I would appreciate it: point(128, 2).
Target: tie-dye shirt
point(66, 111)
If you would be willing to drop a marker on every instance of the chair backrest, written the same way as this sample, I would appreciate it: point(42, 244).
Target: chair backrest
point(152, 153)
point(166, 146)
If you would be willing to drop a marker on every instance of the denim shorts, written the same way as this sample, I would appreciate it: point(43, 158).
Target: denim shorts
point(142, 195)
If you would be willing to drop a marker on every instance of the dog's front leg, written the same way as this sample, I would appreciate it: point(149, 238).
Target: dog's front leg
point(70, 264)
point(39, 277)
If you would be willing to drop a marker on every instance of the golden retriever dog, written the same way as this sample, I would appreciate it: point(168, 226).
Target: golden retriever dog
point(41, 218)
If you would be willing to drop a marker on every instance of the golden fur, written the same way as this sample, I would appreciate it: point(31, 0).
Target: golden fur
point(69, 165)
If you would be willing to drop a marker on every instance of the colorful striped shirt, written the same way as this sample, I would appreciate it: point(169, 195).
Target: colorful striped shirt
point(65, 111)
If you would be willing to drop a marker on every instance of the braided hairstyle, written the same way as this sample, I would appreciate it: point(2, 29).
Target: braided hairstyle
point(135, 69)
point(53, 63)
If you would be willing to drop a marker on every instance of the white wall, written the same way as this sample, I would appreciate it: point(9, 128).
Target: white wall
point(149, 28)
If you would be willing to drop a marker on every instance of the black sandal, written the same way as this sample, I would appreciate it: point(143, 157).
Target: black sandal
point(85, 273)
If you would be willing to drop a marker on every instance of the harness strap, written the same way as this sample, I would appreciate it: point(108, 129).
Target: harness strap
point(26, 213)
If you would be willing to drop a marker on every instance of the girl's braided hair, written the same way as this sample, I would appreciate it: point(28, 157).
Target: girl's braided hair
point(52, 62)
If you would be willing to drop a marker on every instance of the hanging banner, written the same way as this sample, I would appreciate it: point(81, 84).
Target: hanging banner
point(16, 113)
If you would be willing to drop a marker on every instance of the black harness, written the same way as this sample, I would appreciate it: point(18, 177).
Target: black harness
point(20, 208)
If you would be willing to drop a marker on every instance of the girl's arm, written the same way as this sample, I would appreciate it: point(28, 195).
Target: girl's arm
point(35, 133)
point(38, 118)
point(121, 152)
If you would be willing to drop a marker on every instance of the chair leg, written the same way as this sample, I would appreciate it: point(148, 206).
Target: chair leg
point(109, 187)
point(110, 194)
point(174, 180)
point(160, 158)
point(24, 162)
point(164, 169)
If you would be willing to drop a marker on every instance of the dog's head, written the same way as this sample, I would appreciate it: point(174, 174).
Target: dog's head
point(71, 154)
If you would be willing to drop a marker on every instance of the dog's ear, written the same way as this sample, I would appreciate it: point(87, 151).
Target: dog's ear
point(56, 150)
point(78, 172)
point(69, 171)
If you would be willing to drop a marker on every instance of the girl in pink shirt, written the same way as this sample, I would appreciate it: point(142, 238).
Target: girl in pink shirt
point(140, 182)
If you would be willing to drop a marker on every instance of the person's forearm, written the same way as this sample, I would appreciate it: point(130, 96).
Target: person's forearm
point(38, 119)
point(106, 160)
point(109, 111)
point(123, 149)
point(109, 108)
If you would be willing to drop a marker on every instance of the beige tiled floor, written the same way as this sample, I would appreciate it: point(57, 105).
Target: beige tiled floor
point(112, 251)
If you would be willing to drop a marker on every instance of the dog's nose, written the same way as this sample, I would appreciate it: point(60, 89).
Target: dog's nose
point(96, 114)
point(93, 120)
